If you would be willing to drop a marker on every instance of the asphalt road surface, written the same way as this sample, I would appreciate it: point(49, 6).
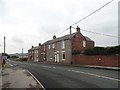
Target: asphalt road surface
point(61, 76)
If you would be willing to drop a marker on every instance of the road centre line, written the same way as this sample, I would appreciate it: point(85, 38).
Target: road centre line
point(94, 75)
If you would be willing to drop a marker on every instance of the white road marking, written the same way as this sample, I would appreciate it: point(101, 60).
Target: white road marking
point(48, 67)
point(36, 80)
point(15, 64)
point(94, 75)
point(54, 67)
point(10, 64)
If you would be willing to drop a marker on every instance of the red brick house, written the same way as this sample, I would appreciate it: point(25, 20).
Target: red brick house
point(61, 49)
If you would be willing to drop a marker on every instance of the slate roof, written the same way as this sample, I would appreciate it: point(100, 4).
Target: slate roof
point(34, 48)
point(65, 38)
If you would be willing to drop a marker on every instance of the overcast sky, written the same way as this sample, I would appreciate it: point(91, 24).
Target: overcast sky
point(30, 22)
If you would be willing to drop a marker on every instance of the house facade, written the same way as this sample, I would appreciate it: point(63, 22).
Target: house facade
point(42, 52)
point(61, 49)
point(33, 54)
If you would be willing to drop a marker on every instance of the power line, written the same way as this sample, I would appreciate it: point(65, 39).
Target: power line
point(93, 12)
point(98, 33)
point(62, 31)
point(88, 16)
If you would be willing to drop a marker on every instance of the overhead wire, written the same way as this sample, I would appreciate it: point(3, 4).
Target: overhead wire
point(87, 16)
point(98, 33)
point(93, 12)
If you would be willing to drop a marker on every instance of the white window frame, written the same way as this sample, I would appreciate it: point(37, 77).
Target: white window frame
point(63, 52)
point(53, 45)
point(84, 43)
point(43, 47)
point(63, 44)
point(49, 46)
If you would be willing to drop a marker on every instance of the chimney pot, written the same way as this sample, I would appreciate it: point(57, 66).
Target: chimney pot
point(54, 37)
point(39, 44)
point(32, 46)
point(78, 29)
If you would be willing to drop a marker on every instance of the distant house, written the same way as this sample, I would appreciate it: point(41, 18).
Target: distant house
point(61, 49)
point(33, 54)
point(42, 52)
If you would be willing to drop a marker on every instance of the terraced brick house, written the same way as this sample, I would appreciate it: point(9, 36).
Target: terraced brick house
point(33, 54)
point(61, 49)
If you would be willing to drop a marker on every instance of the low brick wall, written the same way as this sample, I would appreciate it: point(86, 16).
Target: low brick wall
point(110, 60)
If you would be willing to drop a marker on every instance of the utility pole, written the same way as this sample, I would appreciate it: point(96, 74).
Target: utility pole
point(4, 45)
point(22, 53)
point(70, 45)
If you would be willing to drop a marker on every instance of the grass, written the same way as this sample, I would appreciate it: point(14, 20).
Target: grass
point(13, 58)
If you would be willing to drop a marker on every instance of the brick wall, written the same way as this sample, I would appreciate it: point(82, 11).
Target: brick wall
point(96, 60)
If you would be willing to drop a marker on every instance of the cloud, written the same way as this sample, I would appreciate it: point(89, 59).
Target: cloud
point(16, 39)
point(29, 22)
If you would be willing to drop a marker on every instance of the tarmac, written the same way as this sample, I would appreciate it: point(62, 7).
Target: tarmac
point(16, 77)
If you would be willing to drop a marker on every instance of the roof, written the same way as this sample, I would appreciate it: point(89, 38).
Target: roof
point(34, 48)
point(65, 38)
point(87, 38)
point(60, 39)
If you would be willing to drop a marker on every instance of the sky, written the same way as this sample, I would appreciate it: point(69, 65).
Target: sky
point(29, 22)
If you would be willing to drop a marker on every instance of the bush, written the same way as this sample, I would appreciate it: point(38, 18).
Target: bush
point(102, 50)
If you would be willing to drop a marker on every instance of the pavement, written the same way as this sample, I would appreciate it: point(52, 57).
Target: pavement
point(16, 77)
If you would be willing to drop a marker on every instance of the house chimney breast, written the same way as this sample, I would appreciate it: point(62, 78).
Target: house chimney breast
point(78, 29)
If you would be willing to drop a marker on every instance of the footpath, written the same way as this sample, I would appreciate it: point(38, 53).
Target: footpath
point(16, 77)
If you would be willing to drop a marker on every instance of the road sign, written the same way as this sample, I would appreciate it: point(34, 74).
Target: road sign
point(4, 57)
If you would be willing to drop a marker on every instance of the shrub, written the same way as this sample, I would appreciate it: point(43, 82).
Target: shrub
point(102, 50)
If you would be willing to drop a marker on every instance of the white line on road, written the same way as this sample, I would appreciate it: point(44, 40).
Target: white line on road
point(10, 64)
point(36, 80)
point(94, 75)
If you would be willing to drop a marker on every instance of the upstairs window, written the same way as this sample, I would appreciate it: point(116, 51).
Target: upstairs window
point(44, 48)
point(84, 43)
point(53, 45)
point(49, 46)
point(63, 44)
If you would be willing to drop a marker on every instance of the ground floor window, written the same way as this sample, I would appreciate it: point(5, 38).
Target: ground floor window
point(63, 56)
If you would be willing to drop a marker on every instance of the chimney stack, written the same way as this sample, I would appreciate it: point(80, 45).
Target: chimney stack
point(32, 46)
point(54, 37)
point(78, 29)
point(39, 44)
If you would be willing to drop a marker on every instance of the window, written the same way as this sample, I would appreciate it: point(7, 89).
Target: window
point(84, 44)
point(63, 56)
point(53, 45)
point(44, 47)
point(49, 46)
point(63, 44)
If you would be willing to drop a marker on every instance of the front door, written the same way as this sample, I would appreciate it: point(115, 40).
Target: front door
point(57, 57)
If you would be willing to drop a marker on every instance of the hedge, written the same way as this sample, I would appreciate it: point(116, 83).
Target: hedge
point(102, 50)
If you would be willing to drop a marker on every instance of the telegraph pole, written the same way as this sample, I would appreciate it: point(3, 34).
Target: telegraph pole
point(4, 45)
point(70, 45)
point(22, 53)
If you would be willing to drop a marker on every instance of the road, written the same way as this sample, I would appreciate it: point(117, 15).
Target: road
point(61, 76)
